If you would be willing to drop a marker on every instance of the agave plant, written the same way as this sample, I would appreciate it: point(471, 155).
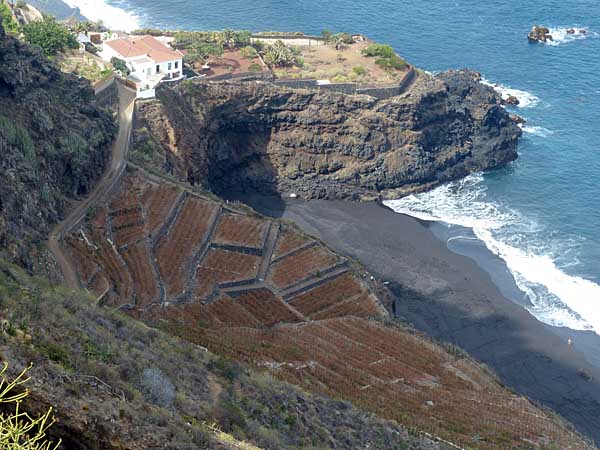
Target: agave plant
point(280, 55)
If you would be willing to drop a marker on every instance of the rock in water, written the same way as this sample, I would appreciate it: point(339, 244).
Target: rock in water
point(511, 100)
point(539, 34)
point(321, 144)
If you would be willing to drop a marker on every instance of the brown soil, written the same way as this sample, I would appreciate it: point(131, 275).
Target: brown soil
point(324, 62)
point(232, 62)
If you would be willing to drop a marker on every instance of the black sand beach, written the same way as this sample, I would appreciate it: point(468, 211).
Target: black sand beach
point(449, 297)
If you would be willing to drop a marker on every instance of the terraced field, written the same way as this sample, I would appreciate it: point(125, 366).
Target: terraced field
point(156, 246)
point(264, 293)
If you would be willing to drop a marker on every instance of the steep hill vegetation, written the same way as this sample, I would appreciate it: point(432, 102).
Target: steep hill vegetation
point(261, 292)
point(54, 142)
point(118, 384)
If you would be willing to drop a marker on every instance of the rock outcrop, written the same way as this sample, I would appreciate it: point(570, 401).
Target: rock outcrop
point(319, 144)
point(54, 143)
point(539, 34)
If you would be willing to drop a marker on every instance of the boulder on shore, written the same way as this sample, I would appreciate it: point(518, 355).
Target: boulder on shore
point(511, 100)
point(518, 119)
point(539, 34)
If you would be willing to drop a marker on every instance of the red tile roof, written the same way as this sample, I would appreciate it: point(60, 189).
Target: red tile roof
point(144, 46)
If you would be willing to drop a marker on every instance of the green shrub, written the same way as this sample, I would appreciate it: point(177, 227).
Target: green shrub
point(254, 67)
point(346, 38)
point(393, 63)
point(56, 353)
point(381, 50)
point(248, 52)
point(8, 21)
point(359, 70)
point(50, 35)
point(225, 368)
point(230, 416)
point(120, 66)
point(18, 137)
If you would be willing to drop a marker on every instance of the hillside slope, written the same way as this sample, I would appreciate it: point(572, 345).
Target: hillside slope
point(261, 292)
point(54, 142)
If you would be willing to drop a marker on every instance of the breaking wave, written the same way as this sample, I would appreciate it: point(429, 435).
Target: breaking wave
point(113, 17)
point(536, 131)
point(536, 261)
point(561, 35)
point(526, 99)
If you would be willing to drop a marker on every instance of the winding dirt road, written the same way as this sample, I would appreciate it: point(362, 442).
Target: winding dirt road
point(106, 183)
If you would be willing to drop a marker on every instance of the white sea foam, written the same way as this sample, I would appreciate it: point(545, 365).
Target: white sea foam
point(113, 17)
point(526, 99)
point(560, 35)
point(536, 131)
point(558, 298)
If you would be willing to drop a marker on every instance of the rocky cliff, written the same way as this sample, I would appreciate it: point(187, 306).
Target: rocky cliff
point(320, 144)
point(54, 143)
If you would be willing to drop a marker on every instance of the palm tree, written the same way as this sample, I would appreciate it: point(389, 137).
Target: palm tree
point(83, 27)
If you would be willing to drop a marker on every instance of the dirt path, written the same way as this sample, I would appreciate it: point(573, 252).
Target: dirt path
point(106, 183)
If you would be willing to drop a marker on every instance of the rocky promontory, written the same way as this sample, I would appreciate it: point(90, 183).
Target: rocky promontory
point(319, 144)
point(54, 142)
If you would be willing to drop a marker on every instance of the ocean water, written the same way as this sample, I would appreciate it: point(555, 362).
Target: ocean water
point(541, 214)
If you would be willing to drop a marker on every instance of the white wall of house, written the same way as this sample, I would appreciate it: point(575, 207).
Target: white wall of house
point(140, 68)
point(171, 69)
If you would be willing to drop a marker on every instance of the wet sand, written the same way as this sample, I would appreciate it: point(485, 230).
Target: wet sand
point(451, 298)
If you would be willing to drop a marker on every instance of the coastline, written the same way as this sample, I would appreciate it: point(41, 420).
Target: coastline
point(450, 297)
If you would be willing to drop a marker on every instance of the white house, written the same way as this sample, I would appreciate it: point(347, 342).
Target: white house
point(149, 60)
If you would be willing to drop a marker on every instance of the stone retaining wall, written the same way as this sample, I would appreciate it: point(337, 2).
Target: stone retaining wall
point(107, 94)
point(378, 91)
point(299, 40)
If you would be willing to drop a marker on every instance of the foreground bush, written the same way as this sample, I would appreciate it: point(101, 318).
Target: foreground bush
point(50, 35)
point(18, 430)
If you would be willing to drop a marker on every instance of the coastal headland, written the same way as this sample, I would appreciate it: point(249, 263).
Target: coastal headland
point(307, 309)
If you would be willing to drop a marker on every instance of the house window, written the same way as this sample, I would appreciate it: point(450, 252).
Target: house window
point(170, 65)
point(149, 71)
point(157, 68)
point(177, 64)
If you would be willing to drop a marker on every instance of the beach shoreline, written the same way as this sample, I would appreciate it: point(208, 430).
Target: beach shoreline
point(452, 298)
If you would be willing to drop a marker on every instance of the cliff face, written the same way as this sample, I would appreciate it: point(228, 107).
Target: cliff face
point(319, 144)
point(54, 143)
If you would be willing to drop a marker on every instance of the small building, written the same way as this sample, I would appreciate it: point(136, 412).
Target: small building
point(95, 37)
point(149, 60)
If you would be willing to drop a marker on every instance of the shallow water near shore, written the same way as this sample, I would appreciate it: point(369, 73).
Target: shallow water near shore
point(541, 214)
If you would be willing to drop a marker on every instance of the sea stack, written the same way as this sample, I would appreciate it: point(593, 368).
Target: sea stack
point(539, 34)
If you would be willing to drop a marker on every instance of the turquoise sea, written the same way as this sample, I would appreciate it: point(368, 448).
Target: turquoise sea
point(541, 214)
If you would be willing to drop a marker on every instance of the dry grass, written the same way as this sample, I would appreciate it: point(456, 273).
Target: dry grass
point(85, 65)
point(324, 62)
point(400, 377)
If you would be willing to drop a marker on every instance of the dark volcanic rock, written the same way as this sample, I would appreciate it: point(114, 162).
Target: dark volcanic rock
point(318, 144)
point(539, 34)
point(511, 100)
point(54, 143)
